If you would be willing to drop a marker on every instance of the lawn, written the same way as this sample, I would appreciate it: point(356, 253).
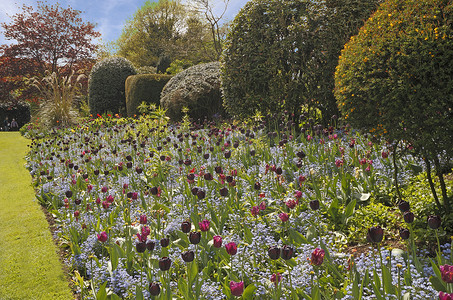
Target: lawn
point(29, 263)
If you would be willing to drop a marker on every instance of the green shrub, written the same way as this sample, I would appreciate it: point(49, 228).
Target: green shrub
point(280, 55)
point(20, 111)
point(107, 85)
point(144, 88)
point(395, 78)
point(198, 89)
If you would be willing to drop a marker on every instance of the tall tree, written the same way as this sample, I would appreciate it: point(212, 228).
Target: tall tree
point(52, 36)
point(166, 28)
point(46, 38)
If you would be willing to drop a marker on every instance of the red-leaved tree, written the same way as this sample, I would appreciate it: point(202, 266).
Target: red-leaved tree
point(46, 38)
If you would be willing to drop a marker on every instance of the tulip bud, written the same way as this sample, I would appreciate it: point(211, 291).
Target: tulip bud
point(154, 289)
point(375, 234)
point(274, 252)
point(195, 237)
point(404, 233)
point(314, 204)
point(434, 222)
point(217, 241)
point(188, 256)
point(150, 245)
point(317, 257)
point(164, 263)
point(237, 288)
point(164, 242)
point(408, 217)
point(140, 247)
point(287, 252)
point(403, 206)
point(186, 226)
point(231, 248)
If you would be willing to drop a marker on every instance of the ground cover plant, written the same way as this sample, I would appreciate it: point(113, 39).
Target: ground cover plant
point(149, 210)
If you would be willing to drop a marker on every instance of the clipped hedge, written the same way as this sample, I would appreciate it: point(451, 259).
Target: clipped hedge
point(144, 87)
point(198, 89)
point(20, 111)
point(107, 85)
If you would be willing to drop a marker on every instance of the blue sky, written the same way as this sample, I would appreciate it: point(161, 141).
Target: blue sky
point(109, 15)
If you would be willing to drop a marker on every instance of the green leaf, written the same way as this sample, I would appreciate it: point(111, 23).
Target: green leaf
point(139, 293)
point(297, 237)
point(182, 286)
point(349, 210)
point(102, 293)
point(249, 291)
point(192, 271)
point(387, 280)
point(113, 297)
point(311, 233)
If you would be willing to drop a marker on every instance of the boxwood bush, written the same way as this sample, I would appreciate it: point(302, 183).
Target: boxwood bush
point(144, 88)
point(107, 85)
point(395, 78)
point(281, 55)
point(198, 89)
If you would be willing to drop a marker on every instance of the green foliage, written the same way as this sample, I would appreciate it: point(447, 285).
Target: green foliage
point(281, 55)
point(166, 27)
point(144, 87)
point(372, 215)
point(20, 111)
point(198, 89)
point(58, 99)
point(107, 85)
point(395, 77)
point(178, 65)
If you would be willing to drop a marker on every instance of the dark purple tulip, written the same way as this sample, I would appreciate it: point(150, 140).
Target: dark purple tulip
point(191, 176)
point(164, 263)
point(208, 176)
point(138, 170)
point(186, 226)
point(218, 170)
point(140, 247)
point(164, 242)
point(279, 171)
point(375, 234)
point(194, 191)
point(274, 252)
point(68, 194)
point(188, 162)
point(301, 154)
point(96, 172)
point(403, 206)
point(201, 194)
point(408, 217)
point(106, 172)
point(287, 252)
point(229, 178)
point(154, 190)
point(252, 152)
point(404, 233)
point(314, 204)
point(195, 237)
point(227, 154)
point(188, 256)
point(129, 158)
point(434, 222)
point(78, 201)
point(154, 289)
point(206, 155)
point(224, 192)
point(257, 186)
point(150, 245)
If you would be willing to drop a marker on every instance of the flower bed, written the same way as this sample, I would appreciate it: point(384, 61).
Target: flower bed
point(214, 212)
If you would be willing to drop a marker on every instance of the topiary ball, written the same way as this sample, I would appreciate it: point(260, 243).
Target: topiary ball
point(107, 85)
point(198, 89)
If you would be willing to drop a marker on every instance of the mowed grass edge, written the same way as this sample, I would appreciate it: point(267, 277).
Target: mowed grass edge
point(29, 264)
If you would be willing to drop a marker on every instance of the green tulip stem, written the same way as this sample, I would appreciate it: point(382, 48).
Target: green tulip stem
point(399, 283)
point(438, 245)
point(382, 266)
